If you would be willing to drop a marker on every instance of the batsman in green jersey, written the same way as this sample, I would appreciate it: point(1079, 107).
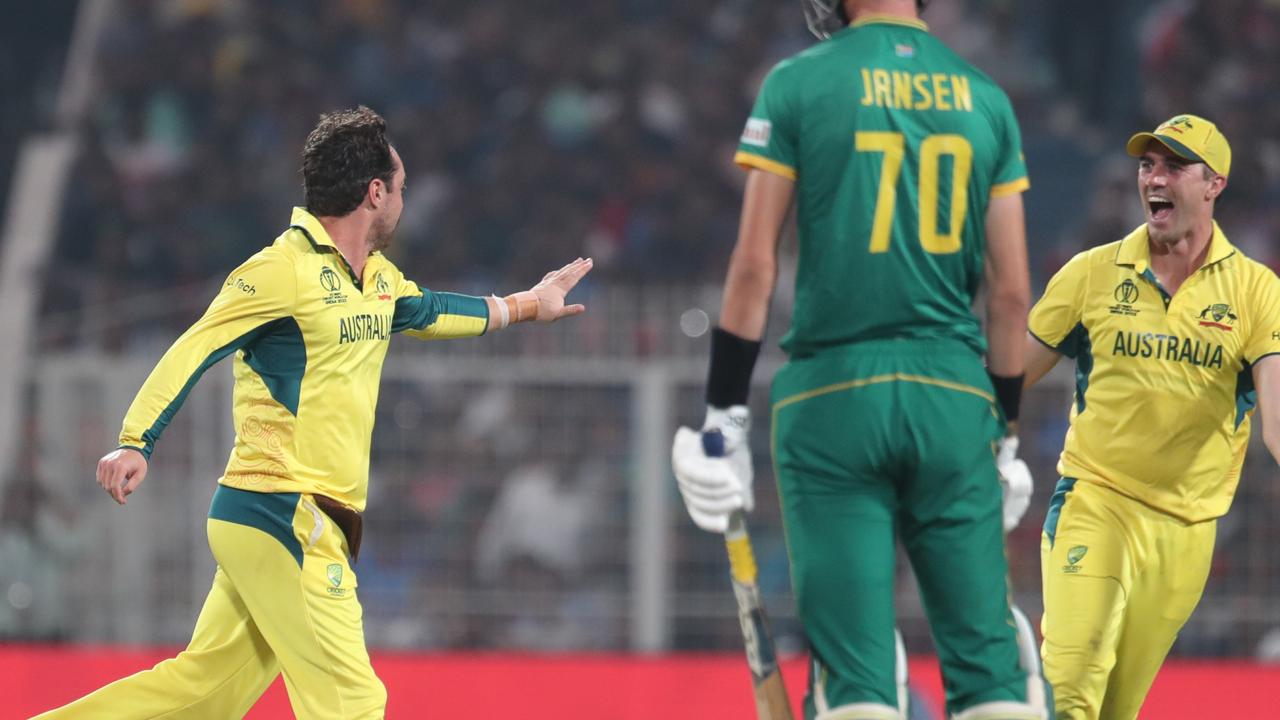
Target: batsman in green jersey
point(905, 166)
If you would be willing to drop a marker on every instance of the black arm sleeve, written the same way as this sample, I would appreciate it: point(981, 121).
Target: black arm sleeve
point(732, 360)
point(1008, 394)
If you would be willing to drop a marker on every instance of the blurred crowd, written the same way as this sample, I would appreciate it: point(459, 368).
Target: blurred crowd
point(1218, 59)
point(533, 133)
point(30, 72)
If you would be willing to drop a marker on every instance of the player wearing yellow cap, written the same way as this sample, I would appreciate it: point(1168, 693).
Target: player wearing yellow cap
point(1175, 334)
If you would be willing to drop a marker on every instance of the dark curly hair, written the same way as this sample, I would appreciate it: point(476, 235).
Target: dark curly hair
point(344, 153)
point(844, 16)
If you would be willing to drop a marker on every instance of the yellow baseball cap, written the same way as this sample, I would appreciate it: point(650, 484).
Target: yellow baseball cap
point(1190, 137)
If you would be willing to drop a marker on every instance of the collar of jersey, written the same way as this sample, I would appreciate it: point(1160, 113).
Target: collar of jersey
point(1135, 249)
point(878, 19)
point(311, 227)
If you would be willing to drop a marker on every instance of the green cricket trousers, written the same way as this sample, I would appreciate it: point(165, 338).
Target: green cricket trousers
point(888, 439)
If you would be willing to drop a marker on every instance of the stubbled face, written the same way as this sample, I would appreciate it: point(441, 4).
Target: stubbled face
point(1176, 195)
point(384, 227)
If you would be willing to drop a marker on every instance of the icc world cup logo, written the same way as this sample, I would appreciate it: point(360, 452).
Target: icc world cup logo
point(329, 280)
point(1127, 292)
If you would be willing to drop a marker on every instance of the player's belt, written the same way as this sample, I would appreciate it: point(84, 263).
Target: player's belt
point(347, 519)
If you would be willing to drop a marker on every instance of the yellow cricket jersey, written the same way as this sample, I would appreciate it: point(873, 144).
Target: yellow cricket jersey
point(1164, 384)
point(310, 339)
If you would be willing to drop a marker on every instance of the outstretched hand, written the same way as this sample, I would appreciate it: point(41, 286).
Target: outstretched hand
point(120, 472)
point(554, 286)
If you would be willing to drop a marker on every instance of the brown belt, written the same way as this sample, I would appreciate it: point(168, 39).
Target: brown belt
point(347, 519)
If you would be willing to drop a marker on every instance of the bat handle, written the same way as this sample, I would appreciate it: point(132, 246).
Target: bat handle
point(713, 446)
point(742, 561)
point(713, 442)
point(737, 525)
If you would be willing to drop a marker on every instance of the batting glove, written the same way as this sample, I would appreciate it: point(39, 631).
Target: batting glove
point(713, 467)
point(1015, 481)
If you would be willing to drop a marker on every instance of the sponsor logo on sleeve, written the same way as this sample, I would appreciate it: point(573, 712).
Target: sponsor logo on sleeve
point(757, 132)
point(242, 286)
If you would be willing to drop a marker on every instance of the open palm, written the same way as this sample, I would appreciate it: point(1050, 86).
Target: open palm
point(555, 285)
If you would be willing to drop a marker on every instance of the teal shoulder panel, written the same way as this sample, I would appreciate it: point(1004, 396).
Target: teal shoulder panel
point(152, 434)
point(272, 513)
point(279, 356)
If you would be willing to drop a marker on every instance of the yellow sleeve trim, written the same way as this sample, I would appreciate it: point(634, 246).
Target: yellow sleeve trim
point(747, 161)
point(1009, 188)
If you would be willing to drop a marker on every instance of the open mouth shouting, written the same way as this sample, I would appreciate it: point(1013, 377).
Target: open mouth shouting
point(1159, 208)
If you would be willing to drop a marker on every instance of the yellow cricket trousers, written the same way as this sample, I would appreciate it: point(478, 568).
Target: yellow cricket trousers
point(1120, 580)
point(283, 600)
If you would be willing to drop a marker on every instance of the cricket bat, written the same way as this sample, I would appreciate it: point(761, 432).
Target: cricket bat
point(766, 677)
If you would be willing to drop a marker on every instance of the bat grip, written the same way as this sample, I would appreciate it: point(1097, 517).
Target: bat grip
point(742, 562)
point(737, 525)
point(713, 443)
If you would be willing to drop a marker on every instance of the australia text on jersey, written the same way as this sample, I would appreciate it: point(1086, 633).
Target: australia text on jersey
point(364, 327)
point(1161, 346)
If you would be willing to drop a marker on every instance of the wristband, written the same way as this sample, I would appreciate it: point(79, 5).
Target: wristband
point(522, 306)
point(504, 313)
point(732, 360)
point(1008, 394)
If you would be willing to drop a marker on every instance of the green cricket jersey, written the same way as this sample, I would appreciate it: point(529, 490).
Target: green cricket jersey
point(896, 145)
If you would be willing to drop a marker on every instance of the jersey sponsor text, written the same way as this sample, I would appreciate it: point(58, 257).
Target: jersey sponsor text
point(757, 132)
point(243, 286)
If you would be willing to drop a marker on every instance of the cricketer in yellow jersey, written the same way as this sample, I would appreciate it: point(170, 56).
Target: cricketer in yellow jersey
point(1176, 338)
point(309, 319)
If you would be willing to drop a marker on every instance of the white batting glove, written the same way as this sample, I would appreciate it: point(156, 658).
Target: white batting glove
point(713, 467)
point(1015, 481)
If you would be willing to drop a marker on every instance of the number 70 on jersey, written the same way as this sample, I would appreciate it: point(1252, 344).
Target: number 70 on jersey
point(893, 146)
